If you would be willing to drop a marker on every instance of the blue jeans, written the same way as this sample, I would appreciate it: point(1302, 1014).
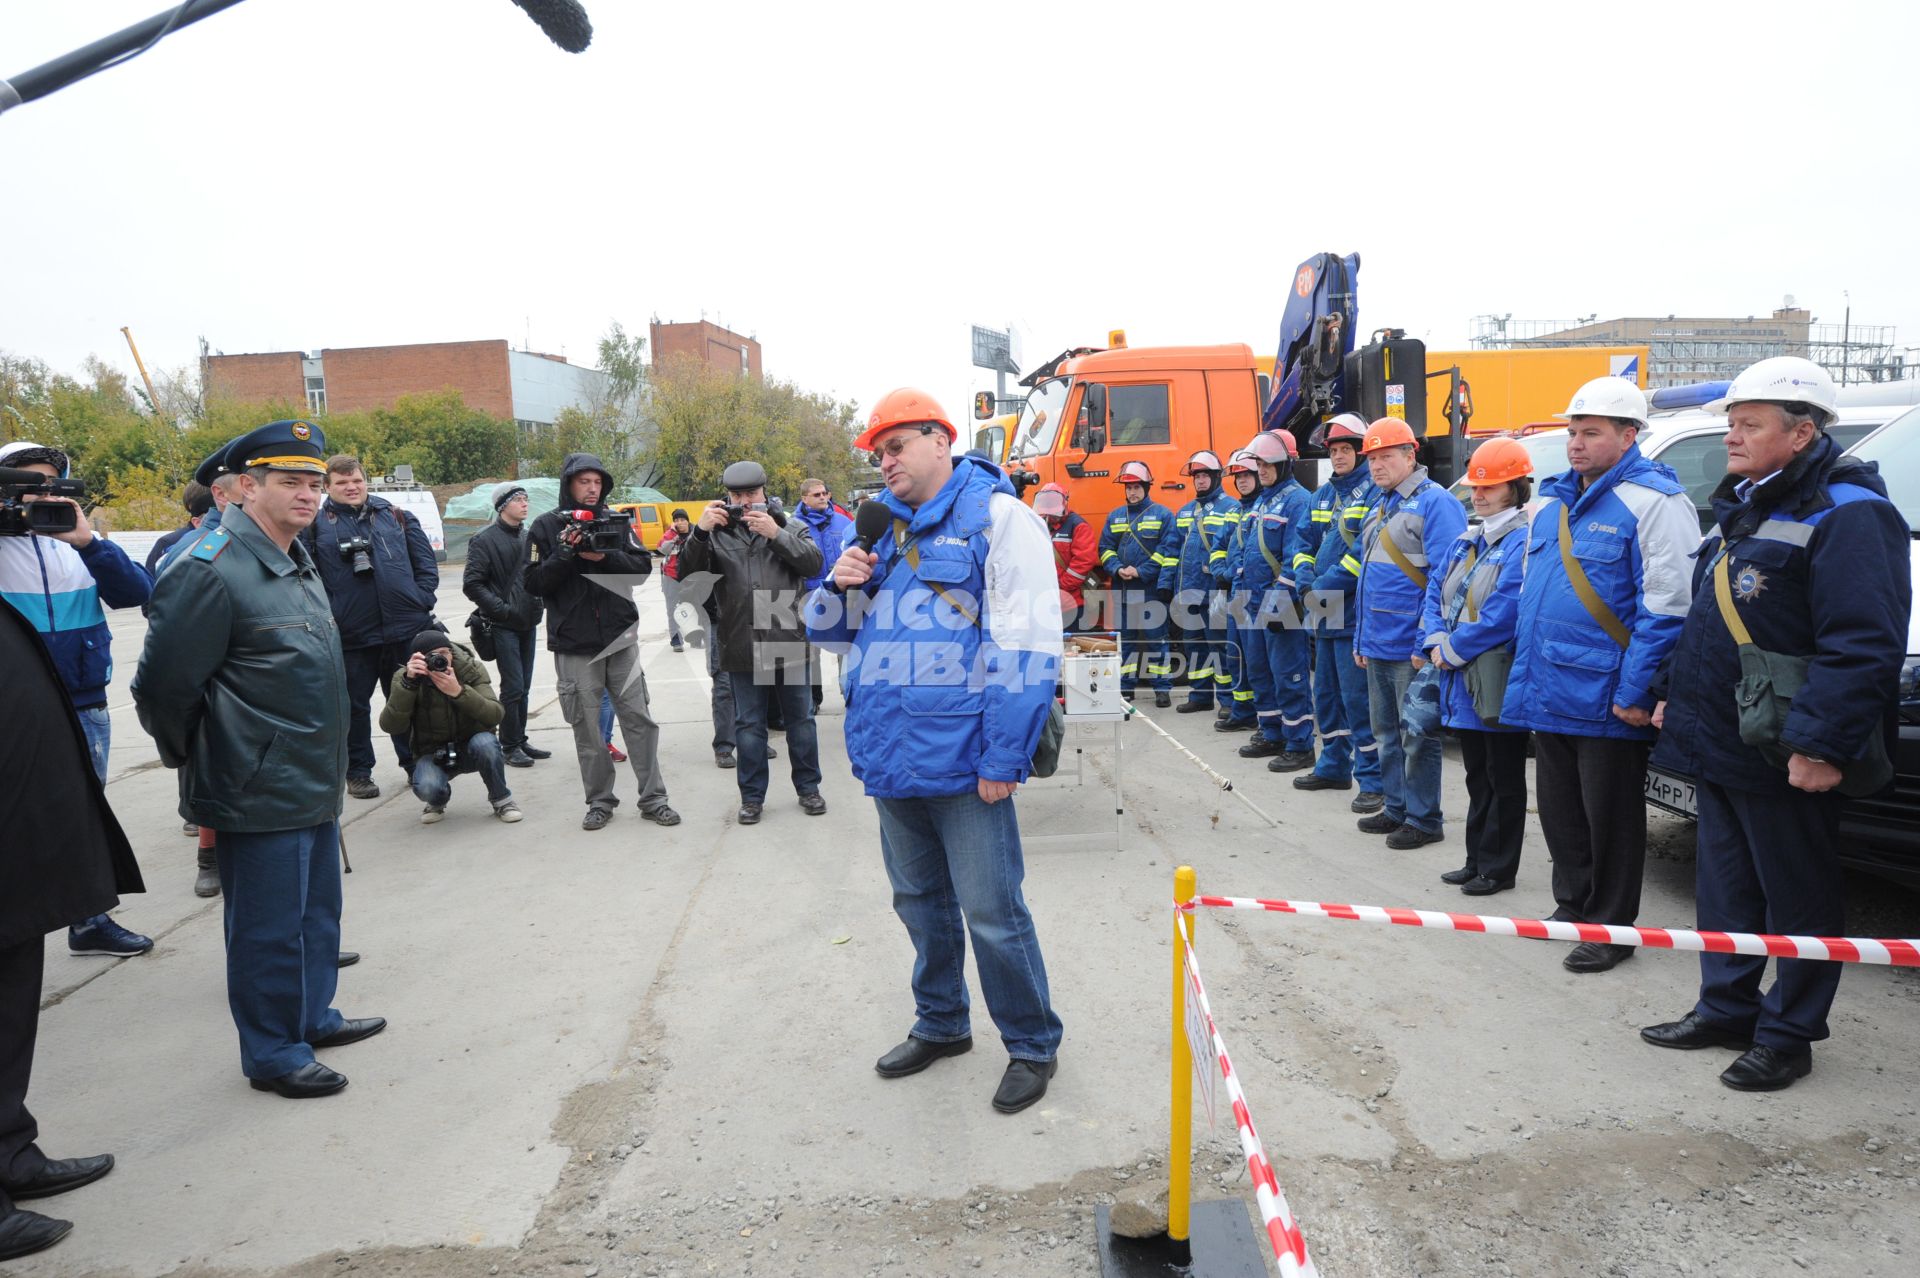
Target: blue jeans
point(606, 717)
point(750, 701)
point(433, 784)
point(1347, 749)
point(98, 725)
point(515, 659)
point(955, 862)
point(1282, 691)
point(280, 892)
point(1409, 764)
point(366, 667)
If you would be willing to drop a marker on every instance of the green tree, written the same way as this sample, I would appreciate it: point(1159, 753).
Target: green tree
point(704, 419)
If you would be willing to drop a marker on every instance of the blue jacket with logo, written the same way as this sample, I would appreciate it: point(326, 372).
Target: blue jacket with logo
point(1423, 519)
point(1633, 530)
point(1272, 546)
point(395, 601)
point(1818, 567)
point(1199, 542)
point(1338, 512)
point(1473, 607)
point(944, 691)
point(830, 530)
point(1132, 539)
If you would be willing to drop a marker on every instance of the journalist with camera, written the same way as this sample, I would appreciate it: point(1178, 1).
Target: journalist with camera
point(443, 703)
point(381, 581)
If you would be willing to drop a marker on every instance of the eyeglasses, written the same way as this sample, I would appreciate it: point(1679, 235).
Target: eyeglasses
point(893, 447)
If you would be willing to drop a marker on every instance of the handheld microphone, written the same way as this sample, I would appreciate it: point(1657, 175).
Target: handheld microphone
point(564, 21)
point(871, 524)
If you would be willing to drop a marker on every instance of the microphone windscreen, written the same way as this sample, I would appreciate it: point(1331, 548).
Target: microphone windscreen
point(870, 523)
point(564, 21)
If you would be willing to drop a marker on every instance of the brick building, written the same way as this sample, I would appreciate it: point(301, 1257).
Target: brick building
point(725, 350)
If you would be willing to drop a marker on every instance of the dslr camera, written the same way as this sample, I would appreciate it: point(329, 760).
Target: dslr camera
point(610, 530)
point(19, 518)
point(358, 549)
point(438, 661)
point(737, 512)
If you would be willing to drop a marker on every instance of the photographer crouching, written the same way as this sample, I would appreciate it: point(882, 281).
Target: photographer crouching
point(443, 703)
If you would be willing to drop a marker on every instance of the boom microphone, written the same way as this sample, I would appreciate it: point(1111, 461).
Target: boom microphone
point(564, 21)
point(870, 524)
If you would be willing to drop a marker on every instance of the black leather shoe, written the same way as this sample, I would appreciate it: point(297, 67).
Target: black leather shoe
point(724, 759)
point(1465, 874)
point(1596, 956)
point(1690, 1033)
point(1378, 823)
point(1024, 1083)
point(60, 1175)
point(814, 804)
point(1290, 761)
point(1367, 801)
point(1481, 885)
point(310, 1080)
point(353, 1031)
point(1412, 836)
point(749, 814)
point(1162, 700)
point(519, 759)
point(24, 1232)
point(1233, 725)
point(1314, 781)
point(916, 1054)
point(347, 959)
point(1260, 747)
point(1767, 1069)
point(1192, 706)
point(535, 752)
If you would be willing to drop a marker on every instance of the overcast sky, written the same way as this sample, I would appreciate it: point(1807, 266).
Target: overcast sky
point(857, 184)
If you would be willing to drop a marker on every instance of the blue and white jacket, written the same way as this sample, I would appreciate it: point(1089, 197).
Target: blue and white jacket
point(1272, 546)
point(1473, 607)
point(1199, 544)
point(61, 589)
point(1337, 514)
point(1423, 519)
point(936, 698)
point(1634, 531)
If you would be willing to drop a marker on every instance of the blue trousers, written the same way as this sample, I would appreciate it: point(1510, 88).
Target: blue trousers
point(1767, 863)
point(516, 655)
point(1238, 685)
point(1347, 748)
point(956, 869)
point(1197, 644)
point(1409, 764)
point(750, 702)
point(1282, 695)
point(281, 895)
point(481, 754)
point(1143, 646)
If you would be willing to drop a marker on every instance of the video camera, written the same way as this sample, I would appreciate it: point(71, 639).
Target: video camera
point(610, 530)
point(19, 518)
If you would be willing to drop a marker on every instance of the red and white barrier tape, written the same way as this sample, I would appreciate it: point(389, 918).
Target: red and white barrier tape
point(1887, 953)
point(1289, 1247)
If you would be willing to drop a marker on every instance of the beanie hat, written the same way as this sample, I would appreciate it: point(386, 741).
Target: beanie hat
point(429, 641)
point(502, 496)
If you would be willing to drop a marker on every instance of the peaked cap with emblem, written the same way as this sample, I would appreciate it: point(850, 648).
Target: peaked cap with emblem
point(292, 445)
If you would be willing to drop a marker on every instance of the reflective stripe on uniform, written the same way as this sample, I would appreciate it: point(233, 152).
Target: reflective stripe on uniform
point(1785, 530)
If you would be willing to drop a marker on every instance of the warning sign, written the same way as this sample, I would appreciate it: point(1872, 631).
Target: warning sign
point(1206, 1064)
point(1397, 402)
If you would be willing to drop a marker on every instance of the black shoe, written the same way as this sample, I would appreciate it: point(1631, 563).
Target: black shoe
point(1162, 700)
point(207, 881)
point(1192, 705)
point(1291, 761)
point(363, 787)
point(724, 759)
point(677, 646)
point(1690, 1033)
point(1378, 823)
point(1596, 956)
point(24, 1232)
point(1314, 781)
point(1126, 693)
point(771, 752)
point(58, 1176)
point(352, 1031)
point(1024, 1083)
point(1260, 747)
point(1465, 874)
point(1767, 1069)
point(310, 1080)
point(534, 752)
point(1367, 801)
point(813, 804)
point(662, 815)
point(916, 1054)
point(1412, 836)
point(1233, 725)
point(1481, 885)
point(347, 959)
point(519, 759)
point(749, 814)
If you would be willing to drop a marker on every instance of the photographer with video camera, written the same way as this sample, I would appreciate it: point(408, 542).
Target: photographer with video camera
point(381, 582)
point(58, 572)
point(443, 703)
point(583, 561)
point(761, 561)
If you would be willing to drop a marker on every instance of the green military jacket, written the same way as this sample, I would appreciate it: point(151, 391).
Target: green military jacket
point(242, 684)
point(431, 718)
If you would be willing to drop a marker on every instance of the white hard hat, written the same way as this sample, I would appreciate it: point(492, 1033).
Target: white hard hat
point(1608, 397)
point(1784, 379)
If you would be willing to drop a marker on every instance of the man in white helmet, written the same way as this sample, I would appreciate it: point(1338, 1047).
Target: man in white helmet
point(1810, 561)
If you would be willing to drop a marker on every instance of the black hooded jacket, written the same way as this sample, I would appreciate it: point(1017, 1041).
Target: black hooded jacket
point(583, 616)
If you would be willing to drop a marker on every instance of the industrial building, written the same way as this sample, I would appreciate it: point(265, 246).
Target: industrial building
point(721, 348)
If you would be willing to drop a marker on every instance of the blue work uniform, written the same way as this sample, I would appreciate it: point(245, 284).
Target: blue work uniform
point(1347, 747)
point(1132, 539)
point(1200, 530)
point(1278, 647)
point(1237, 685)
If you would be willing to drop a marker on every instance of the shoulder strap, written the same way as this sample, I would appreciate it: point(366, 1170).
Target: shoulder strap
point(910, 551)
point(1399, 556)
point(1589, 597)
point(1723, 594)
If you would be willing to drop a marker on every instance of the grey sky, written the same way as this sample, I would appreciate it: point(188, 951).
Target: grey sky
point(856, 184)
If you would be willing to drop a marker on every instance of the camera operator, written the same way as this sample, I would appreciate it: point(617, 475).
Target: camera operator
point(495, 580)
point(59, 580)
point(381, 581)
point(592, 631)
point(443, 703)
point(762, 563)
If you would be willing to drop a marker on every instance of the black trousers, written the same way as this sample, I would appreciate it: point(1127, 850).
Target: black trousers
point(20, 971)
point(1593, 809)
point(1496, 801)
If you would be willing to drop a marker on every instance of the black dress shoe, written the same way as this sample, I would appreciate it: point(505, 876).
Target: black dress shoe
point(1314, 781)
point(1767, 1069)
point(1260, 747)
point(1024, 1083)
point(916, 1054)
point(1412, 836)
point(1233, 725)
point(24, 1232)
point(1481, 885)
point(1290, 761)
point(60, 1175)
point(310, 1080)
point(1378, 823)
point(353, 1031)
point(535, 752)
point(749, 814)
point(1465, 874)
point(1596, 956)
point(813, 804)
point(1367, 801)
point(347, 959)
point(1192, 706)
point(1162, 699)
point(1690, 1033)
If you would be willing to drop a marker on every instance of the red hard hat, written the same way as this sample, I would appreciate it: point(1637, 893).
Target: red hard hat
point(1050, 500)
point(1205, 459)
point(1134, 473)
point(903, 407)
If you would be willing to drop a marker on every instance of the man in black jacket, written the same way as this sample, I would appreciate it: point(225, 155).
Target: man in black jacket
point(592, 631)
point(496, 581)
point(64, 857)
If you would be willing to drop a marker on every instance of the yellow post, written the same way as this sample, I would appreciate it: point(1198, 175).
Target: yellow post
point(1180, 1138)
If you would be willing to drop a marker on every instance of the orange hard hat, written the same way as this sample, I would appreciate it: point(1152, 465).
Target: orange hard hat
point(1498, 461)
point(1050, 500)
point(903, 407)
point(1134, 472)
point(1388, 432)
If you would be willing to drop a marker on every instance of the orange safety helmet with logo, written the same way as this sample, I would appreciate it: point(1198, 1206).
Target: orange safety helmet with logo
point(1498, 461)
point(1388, 432)
point(903, 407)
